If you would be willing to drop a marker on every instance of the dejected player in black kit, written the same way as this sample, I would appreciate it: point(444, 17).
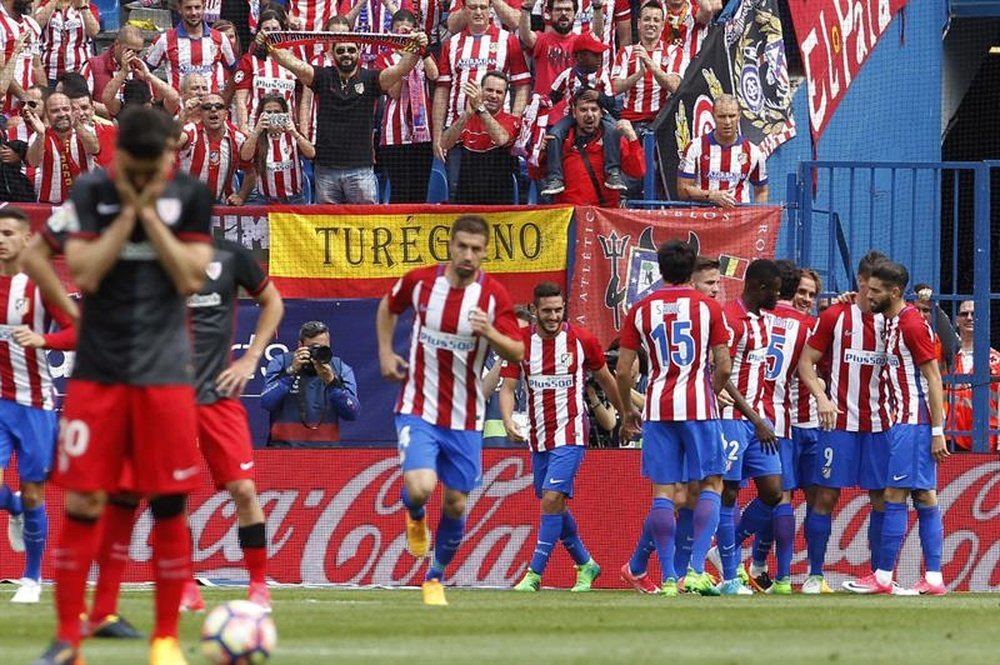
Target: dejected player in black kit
point(138, 244)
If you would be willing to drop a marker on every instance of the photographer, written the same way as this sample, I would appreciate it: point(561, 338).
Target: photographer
point(605, 421)
point(275, 146)
point(308, 390)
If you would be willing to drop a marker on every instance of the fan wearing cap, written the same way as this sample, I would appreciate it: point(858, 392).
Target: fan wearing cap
point(586, 74)
point(582, 153)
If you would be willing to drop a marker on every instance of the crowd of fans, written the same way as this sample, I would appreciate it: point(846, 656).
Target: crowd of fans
point(558, 91)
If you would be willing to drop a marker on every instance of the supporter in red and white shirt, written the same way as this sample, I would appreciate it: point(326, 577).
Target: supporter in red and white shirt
point(275, 147)
point(311, 15)
point(686, 26)
point(258, 75)
point(586, 72)
point(502, 14)
point(466, 57)
point(132, 71)
point(552, 50)
point(647, 72)
point(60, 152)
point(68, 28)
point(719, 166)
point(20, 33)
point(193, 47)
point(405, 153)
point(484, 134)
point(194, 89)
point(105, 130)
point(18, 129)
point(210, 152)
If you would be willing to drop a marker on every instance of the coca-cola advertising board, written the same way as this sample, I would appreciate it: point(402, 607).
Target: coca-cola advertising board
point(335, 517)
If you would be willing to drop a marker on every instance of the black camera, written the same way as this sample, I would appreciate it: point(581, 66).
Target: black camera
point(320, 353)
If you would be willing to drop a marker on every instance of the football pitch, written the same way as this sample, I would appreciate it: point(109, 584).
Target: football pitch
point(480, 626)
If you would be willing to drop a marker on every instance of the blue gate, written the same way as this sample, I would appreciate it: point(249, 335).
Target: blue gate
point(932, 217)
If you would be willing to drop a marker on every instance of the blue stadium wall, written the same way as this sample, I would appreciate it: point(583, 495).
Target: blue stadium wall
point(891, 112)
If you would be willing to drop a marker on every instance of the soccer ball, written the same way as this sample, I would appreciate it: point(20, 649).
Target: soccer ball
point(238, 633)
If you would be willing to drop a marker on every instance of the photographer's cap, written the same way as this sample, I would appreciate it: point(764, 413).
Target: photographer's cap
point(311, 329)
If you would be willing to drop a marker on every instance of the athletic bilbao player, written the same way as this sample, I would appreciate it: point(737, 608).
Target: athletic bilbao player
point(916, 439)
point(686, 338)
point(853, 444)
point(140, 244)
point(557, 358)
point(27, 399)
point(458, 312)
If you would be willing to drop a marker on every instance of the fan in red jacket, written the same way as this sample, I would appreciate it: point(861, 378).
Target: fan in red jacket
point(585, 147)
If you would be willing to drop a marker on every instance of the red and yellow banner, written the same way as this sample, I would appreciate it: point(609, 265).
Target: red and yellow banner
point(359, 251)
point(616, 255)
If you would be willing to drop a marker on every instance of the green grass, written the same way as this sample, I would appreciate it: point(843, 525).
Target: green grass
point(382, 626)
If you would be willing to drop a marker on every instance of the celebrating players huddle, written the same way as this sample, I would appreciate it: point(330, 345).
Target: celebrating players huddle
point(733, 393)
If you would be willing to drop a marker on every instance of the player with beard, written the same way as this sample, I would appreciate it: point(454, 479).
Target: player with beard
point(459, 311)
point(139, 243)
point(916, 438)
point(346, 96)
point(557, 357)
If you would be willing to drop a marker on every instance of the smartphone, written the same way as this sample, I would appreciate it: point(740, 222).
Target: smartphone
point(278, 120)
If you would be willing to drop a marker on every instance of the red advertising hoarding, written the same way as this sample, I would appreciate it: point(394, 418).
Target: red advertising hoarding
point(335, 517)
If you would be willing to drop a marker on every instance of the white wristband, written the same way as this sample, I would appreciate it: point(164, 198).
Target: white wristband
point(937, 431)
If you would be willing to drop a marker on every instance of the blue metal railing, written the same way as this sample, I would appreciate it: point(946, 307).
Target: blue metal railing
point(840, 210)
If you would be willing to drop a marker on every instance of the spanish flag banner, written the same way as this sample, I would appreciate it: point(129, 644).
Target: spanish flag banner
point(360, 251)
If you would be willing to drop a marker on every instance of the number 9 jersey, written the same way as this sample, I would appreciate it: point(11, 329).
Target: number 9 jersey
point(677, 327)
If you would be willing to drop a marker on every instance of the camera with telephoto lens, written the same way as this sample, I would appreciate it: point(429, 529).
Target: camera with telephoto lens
point(320, 353)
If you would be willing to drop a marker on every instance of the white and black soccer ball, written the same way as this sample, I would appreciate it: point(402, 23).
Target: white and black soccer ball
point(238, 633)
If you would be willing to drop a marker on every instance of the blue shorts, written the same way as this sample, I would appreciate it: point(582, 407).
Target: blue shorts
point(851, 459)
point(555, 470)
point(911, 465)
point(456, 455)
point(745, 458)
point(31, 433)
point(674, 452)
point(788, 452)
point(805, 455)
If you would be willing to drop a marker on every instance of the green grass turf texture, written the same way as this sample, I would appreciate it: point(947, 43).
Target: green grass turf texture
point(553, 626)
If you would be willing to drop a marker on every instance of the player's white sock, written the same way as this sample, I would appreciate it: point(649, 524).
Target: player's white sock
point(884, 577)
point(934, 577)
point(757, 570)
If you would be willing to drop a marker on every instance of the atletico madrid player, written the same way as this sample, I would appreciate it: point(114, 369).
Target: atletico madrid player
point(459, 312)
point(685, 337)
point(557, 357)
point(916, 439)
point(853, 445)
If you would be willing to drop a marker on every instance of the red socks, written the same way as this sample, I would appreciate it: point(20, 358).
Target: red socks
point(112, 557)
point(73, 556)
point(172, 558)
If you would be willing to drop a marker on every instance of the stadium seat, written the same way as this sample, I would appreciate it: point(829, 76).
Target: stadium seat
point(517, 190)
point(308, 181)
point(437, 186)
point(532, 193)
point(386, 192)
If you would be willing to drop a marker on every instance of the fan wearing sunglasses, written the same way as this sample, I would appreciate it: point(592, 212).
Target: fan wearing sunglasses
point(210, 152)
point(346, 95)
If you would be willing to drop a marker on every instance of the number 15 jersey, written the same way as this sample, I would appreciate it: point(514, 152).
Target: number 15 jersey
point(677, 327)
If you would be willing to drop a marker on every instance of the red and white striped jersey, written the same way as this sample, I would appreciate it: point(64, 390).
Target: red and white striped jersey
point(459, 5)
point(466, 57)
point(282, 176)
point(24, 372)
point(313, 13)
point(570, 80)
point(748, 346)
point(804, 412)
point(65, 44)
point(716, 167)
point(21, 131)
point(644, 99)
point(443, 384)
point(263, 77)
point(855, 343)
point(684, 32)
point(213, 161)
point(678, 327)
point(555, 376)
point(63, 159)
point(397, 122)
point(790, 329)
point(209, 55)
point(909, 344)
point(10, 30)
point(213, 10)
